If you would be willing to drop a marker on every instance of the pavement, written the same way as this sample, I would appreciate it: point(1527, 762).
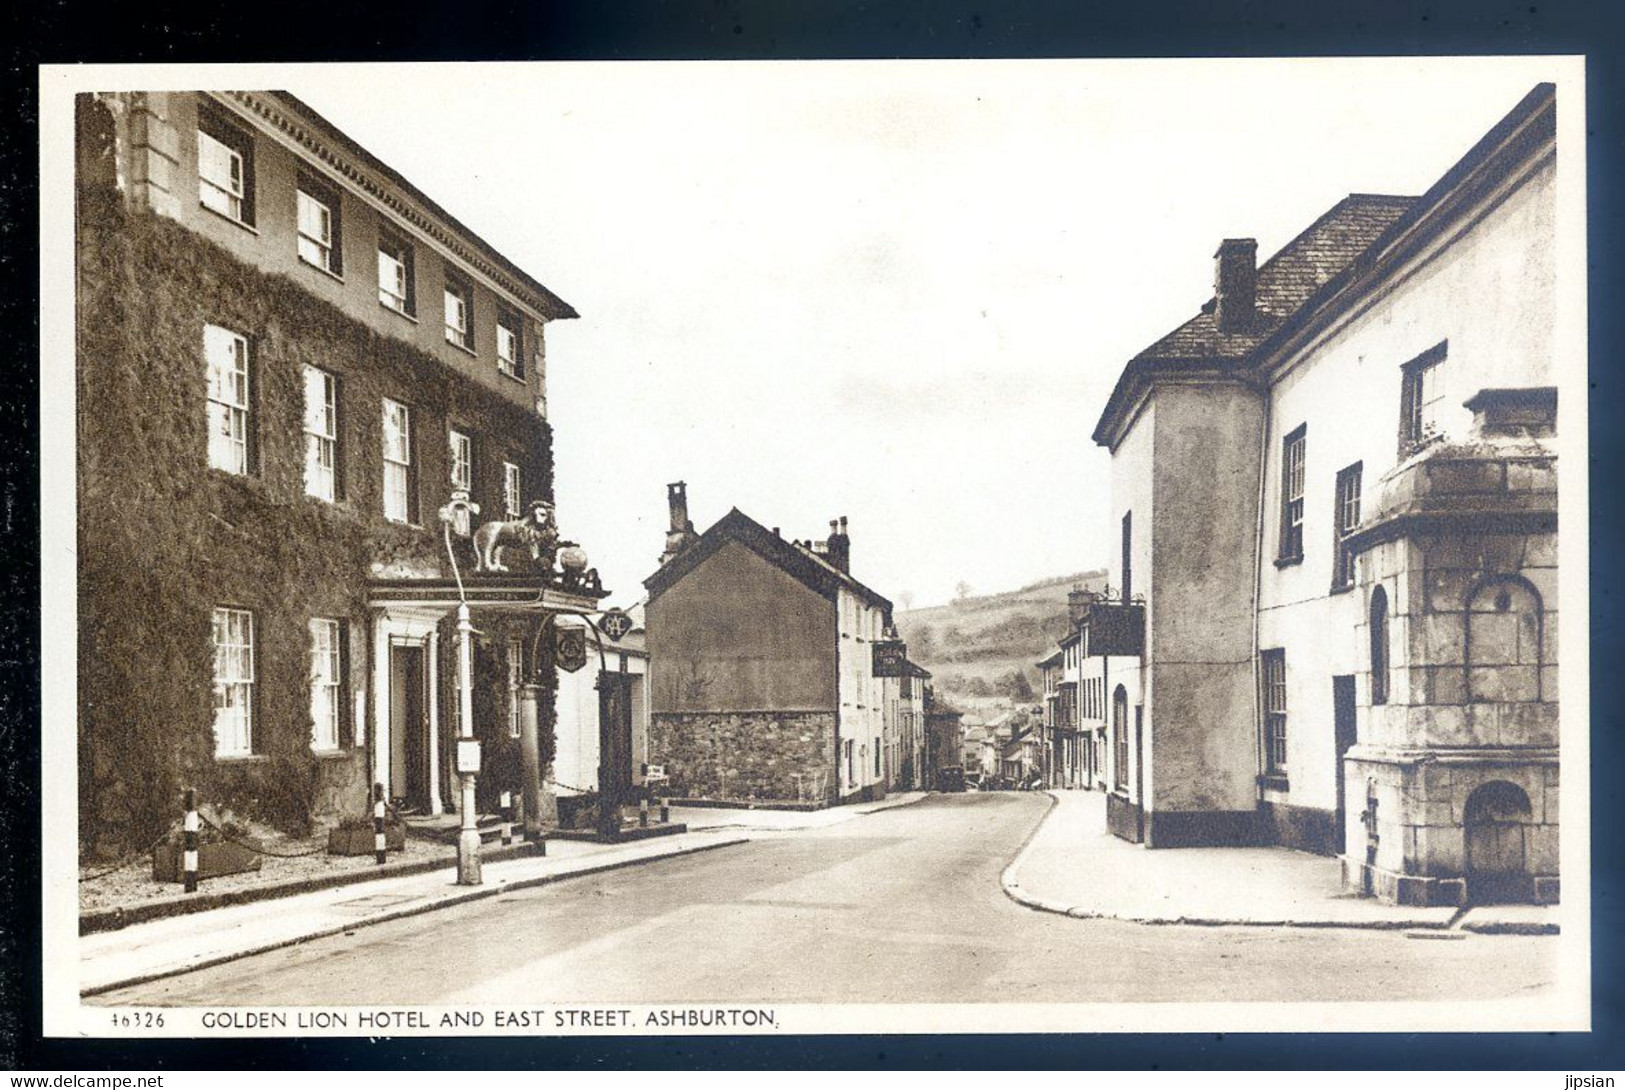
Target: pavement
point(164, 947)
point(1074, 867)
point(899, 906)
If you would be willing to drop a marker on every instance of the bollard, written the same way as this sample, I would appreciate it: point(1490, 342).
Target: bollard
point(507, 818)
point(665, 810)
point(378, 822)
point(189, 843)
point(643, 812)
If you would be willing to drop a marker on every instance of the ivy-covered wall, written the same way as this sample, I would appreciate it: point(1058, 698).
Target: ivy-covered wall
point(163, 539)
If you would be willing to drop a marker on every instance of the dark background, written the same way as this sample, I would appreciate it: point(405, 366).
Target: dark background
point(66, 32)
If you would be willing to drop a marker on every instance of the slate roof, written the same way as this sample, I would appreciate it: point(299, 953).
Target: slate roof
point(1351, 244)
point(1287, 280)
point(805, 565)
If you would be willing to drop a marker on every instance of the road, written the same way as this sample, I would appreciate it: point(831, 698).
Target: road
point(903, 905)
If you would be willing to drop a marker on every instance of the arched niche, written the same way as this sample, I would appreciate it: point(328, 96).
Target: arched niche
point(1505, 621)
point(1496, 822)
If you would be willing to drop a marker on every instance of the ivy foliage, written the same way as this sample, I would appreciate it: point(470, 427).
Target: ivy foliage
point(162, 539)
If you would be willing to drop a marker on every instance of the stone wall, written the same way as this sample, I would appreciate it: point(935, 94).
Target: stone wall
point(1455, 775)
point(746, 755)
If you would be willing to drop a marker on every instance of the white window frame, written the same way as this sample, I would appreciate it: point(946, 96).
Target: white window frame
point(511, 497)
point(315, 226)
point(321, 434)
point(1294, 482)
point(221, 176)
point(397, 441)
point(326, 683)
point(509, 346)
point(516, 679)
point(395, 291)
point(456, 305)
point(1272, 675)
point(233, 682)
point(461, 459)
point(226, 355)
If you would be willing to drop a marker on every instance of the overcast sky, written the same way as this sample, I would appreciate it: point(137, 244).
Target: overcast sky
point(896, 292)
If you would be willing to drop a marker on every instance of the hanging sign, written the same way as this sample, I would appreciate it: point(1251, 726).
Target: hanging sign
point(889, 658)
point(570, 647)
point(615, 623)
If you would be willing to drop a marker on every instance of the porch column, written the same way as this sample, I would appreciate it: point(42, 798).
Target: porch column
point(540, 805)
point(433, 667)
point(380, 703)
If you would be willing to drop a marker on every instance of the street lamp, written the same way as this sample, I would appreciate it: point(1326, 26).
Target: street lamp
point(458, 514)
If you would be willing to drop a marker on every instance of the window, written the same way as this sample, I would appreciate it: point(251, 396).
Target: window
point(321, 434)
point(516, 681)
point(233, 682)
point(510, 344)
point(1345, 517)
point(462, 461)
point(1128, 555)
point(1421, 396)
point(510, 489)
point(326, 677)
point(319, 235)
point(1293, 449)
point(398, 498)
point(1274, 682)
point(227, 356)
point(459, 313)
point(225, 168)
point(1379, 646)
point(396, 279)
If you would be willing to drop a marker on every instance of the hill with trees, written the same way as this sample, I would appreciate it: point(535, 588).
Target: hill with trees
point(983, 647)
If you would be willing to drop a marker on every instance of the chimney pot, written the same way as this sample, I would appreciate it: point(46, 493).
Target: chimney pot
point(1235, 284)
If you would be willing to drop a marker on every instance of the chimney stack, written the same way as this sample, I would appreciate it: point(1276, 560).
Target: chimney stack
point(1235, 285)
point(840, 545)
point(682, 530)
point(1078, 601)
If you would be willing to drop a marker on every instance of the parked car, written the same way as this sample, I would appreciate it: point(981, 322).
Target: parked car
point(951, 778)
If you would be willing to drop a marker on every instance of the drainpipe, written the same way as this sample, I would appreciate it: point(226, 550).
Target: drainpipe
point(1258, 584)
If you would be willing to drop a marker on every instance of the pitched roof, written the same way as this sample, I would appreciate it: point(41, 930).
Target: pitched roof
point(1337, 257)
point(1286, 281)
point(543, 298)
point(806, 566)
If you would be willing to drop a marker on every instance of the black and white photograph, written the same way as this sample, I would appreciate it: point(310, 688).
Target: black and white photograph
point(815, 547)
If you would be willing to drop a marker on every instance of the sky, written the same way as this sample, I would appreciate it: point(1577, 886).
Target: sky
point(895, 291)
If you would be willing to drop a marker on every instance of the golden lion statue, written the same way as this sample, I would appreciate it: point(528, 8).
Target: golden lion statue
point(536, 530)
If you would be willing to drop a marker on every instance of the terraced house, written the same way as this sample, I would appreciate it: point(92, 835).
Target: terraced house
point(1336, 487)
point(289, 358)
point(768, 665)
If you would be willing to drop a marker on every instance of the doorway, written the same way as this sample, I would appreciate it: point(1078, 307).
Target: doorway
point(409, 726)
point(1139, 768)
point(1343, 733)
point(1497, 816)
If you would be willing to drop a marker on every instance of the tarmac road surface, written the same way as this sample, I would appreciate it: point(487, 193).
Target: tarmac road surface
point(903, 905)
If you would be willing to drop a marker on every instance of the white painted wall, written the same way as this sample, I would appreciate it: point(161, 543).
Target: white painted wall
point(862, 700)
point(575, 764)
point(1491, 292)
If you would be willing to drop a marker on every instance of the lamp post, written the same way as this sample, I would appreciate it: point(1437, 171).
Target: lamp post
point(457, 514)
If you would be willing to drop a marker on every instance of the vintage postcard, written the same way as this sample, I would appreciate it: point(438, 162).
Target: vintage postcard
point(824, 547)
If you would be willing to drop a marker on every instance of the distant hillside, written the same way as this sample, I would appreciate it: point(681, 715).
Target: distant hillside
point(977, 647)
